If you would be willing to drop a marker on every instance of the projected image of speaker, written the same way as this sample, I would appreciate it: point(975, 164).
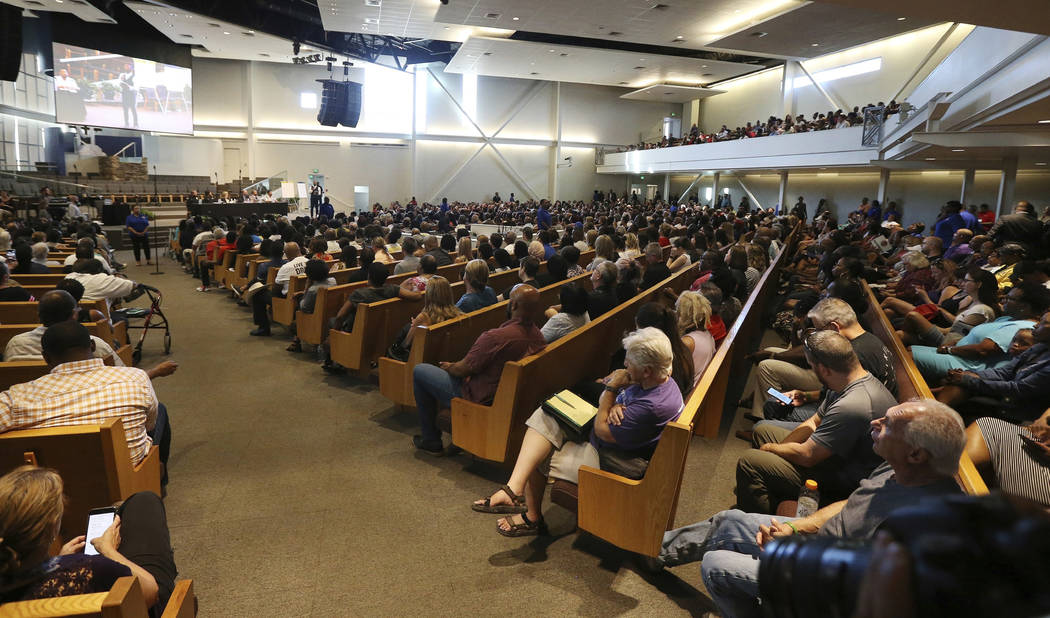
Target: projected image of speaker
point(340, 103)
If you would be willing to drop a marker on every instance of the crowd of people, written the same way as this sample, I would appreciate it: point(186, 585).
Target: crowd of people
point(837, 119)
point(975, 312)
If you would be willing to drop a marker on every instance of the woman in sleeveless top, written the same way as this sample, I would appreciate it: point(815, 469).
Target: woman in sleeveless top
point(694, 313)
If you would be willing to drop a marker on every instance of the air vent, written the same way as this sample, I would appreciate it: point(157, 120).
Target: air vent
point(248, 33)
point(706, 74)
point(533, 73)
point(563, 55)
point(78, 1)
point(660, 7)
point(34, 2)
point(264, 54)
point(186, 36)
point(678, 40)
point(638, 68)
point(492, 15)
point(623, 83)
point(487, 54)
point(615, 33)
point(668, 93)
point(373, 2)
point(759, 35)
point(214, 25)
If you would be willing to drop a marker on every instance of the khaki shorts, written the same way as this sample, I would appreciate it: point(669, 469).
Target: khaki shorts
point(567, 457)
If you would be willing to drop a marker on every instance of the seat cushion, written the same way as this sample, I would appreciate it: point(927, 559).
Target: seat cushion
point(565, 494)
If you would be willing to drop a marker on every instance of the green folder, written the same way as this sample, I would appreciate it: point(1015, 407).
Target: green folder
point(571, 410)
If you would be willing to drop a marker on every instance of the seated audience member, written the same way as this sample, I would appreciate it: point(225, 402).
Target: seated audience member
point(694, 315)
point(679, 259)
point(655, 268)
point(76, 290)
point(318, 250)
point(917, 274)
point(557, 270)
point(54, 307)
point(663, 318)
point(10, 291)
point(981, 305)
point(528, 268)
point(717, 325)
point(81, 390)
point(376, 290)
point(464, 250)
point(628, 277)
point(85, 249)
point(832, 447)
point(985, 346)
point(431, 244)
point(295, 264)
point(317, 278)
point(260, 300)
point(959, 248)
point(1009, 255)
point(921, 442)
point(568, 315)
point(26, 265)
point(477, 375)
point(784, 371)
point(409, 263)
point(438, 306)
point(1018, 455)
point(1020, 386)
point(427, 269)
point(135, 544)
point(98, 285)
point(571, 255)
point(635, 405)
point(381, 254)
point(602, 297)
point(478, 294)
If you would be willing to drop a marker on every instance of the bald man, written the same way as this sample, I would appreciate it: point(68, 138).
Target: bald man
point(476, 376)
point(296, 265)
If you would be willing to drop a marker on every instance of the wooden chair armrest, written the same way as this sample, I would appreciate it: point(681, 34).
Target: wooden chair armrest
point(480, 429)
point(146, 475)
point(120, 332)
point(969, 478)
point(183, 601)
point(125, 354)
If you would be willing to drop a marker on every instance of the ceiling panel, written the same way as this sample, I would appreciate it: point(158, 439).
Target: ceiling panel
point(403, 18)
point(219, 39)
point(841, 28)
point(687, 23)
point(664, 93)
point(1019, 15)
point(569, 63)
point(81, 8)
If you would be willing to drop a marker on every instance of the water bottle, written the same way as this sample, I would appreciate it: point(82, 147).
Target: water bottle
point(808, 499)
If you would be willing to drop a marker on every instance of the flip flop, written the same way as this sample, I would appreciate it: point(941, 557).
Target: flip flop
point(518, 506)
point(526, 528)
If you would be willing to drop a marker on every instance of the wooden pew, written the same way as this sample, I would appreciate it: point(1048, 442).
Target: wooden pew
point(449, 340)
point(494, 432)
point(634, 514)
point(124, 600)
point(27, 312)
point(50, 280)
point(101, 329)
point(220, 271)
point(239, 276)
point(911, 384)
point(93, 460)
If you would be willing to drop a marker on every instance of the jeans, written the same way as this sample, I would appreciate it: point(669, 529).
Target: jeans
point(727, 546)
point(434, 389)
point(144, 540)
point(138, 245)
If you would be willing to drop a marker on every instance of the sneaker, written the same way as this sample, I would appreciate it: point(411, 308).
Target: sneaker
point(429, 447)
point(260, 332)
point(203, 289)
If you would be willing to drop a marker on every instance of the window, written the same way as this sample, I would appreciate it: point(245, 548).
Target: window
point(308, 100)
point(847, 70)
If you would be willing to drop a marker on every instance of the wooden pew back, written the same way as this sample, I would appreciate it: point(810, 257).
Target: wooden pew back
point(124, 600)
point(35, 280)
point(93, 460)
point(911, 385)
point(28, 312)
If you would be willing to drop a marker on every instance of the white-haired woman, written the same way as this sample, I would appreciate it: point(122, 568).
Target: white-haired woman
point(633, 408)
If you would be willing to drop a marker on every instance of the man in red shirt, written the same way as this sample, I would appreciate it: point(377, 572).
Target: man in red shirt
point(985, 216)
point(476, 376)
point(214, 251)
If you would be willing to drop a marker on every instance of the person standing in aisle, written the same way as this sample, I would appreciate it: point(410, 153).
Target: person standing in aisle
point(315, 199)
point(138, 231)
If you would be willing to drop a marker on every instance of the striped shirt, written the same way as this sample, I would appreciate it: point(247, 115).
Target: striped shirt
point(85, 393)
point(1017, 470)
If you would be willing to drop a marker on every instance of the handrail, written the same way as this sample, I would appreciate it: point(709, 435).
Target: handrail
point(37, 179)
point(126, 146)
point(281, 175)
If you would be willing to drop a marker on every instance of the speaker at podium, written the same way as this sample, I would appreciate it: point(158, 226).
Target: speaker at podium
point(340, 103)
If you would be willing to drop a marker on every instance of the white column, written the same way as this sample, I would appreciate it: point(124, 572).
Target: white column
point(1007, 183)
point(967, 186)
point(714, 190)
point(787, 92)
point(555, 155)
point(884, 185)
point(250, 156)
point(667, 187)
point(782, 197)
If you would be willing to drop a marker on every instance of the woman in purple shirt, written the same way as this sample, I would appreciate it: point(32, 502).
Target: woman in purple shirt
point(634, 407)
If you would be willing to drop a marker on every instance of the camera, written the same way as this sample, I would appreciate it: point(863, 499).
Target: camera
point(971, 556)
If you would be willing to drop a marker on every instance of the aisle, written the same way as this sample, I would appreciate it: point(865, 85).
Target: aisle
point(295, 493)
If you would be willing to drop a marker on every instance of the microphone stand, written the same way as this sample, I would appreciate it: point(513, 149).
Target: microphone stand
point(149, 244)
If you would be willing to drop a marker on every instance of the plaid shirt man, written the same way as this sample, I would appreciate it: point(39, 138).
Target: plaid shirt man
point(85, 393)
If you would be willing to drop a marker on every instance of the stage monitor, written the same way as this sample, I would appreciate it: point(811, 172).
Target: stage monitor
point(100, 89)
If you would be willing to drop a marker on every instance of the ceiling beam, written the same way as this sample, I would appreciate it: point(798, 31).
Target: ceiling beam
point(1019, 15)
point(985, 139)
point(948, 164)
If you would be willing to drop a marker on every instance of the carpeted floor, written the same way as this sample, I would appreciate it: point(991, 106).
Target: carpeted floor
point(294, 493)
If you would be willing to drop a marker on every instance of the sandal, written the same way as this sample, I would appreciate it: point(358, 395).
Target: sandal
point(517, 507)
point(526, 528)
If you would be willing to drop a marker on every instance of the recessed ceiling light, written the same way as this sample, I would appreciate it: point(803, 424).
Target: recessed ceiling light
point(901, 18)
point(958, 150)
point(679, 37)
point(1044, 122)
point(551, 50)
point(931, 158)
point(1040, 163)
point(225, 32)
point(514, 18)
point(703, 66)
point(814, 45)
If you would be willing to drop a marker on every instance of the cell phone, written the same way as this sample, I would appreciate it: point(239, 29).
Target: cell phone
point(99, 520)
point(1028, 440)
point(784, 399)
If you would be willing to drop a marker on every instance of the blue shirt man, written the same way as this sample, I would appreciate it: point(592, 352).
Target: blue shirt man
point(326, 210)
point(543, 218)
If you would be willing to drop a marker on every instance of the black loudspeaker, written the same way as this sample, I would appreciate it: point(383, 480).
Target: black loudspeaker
point(340, 103)
point(10, 42)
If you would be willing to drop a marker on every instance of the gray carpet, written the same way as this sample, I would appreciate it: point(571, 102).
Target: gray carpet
point(294, 493)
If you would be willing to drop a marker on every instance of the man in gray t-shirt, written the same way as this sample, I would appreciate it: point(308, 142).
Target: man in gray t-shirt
point(921, 459)
point(832, 447)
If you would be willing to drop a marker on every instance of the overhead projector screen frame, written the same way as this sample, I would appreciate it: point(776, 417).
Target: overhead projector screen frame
point(92, 87)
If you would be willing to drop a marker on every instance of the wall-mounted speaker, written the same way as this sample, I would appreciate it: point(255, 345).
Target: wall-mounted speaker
point(10, 42)
point(340, 103)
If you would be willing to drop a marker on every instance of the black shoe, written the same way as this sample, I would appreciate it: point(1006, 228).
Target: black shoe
point(332, 368)
point(429, 447)
point(753, 418)
point(260, 332)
